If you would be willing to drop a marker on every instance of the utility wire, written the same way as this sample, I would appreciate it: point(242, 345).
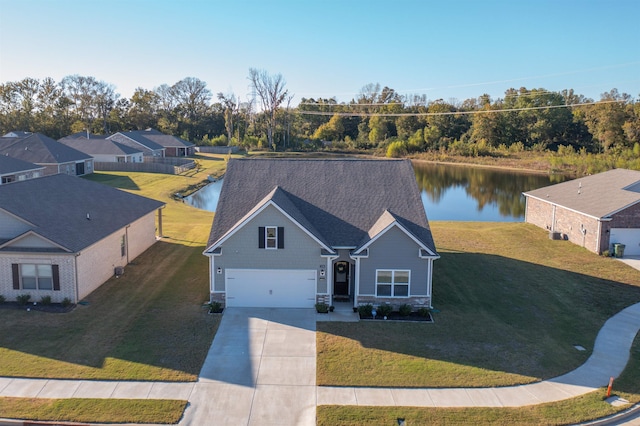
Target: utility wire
point(427, 114)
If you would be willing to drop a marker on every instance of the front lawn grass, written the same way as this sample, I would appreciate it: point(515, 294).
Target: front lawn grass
point(157, 411)
point(148, 324)
point(575, 410)
point(512, 306)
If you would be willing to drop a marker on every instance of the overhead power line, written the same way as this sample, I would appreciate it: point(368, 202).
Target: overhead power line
point(427, 114)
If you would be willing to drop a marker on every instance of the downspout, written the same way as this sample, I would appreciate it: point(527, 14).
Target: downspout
point(553, 219)
point(126, 242)
point(75, 267)
point(212, 276)
point(160, 222)
point(430, 283)
point(598, 234)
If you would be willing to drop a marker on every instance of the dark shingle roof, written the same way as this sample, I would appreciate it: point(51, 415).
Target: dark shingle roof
point(598, 195)
point(167, 141)
point(137, 137)
point(10, 165)
point(342, 199)
point(39, 149)
point(58, 206)
point(99, 146)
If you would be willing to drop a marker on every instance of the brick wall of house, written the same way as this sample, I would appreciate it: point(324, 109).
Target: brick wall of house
point(415, 302)
point(575, 227)
point(66, 270)
point(627, 218)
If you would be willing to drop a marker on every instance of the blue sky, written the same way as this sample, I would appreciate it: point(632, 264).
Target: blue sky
point(444, 49)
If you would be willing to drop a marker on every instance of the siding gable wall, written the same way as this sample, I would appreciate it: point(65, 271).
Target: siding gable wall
point(394, 250)
point(240, 251)
point(11, 227)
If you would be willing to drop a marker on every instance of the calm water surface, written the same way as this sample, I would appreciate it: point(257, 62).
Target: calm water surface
point(450, 192)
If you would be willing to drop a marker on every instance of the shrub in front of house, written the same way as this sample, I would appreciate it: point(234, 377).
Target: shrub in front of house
point(322, 308)
point(45, 300)
point(23, 299)
point(384, 310)
point(215, 307)
point(66, 302)
point(405, 310)
point(2, 299)
point(365, 311)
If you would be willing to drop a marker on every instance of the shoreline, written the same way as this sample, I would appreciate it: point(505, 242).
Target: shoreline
point(486, 166)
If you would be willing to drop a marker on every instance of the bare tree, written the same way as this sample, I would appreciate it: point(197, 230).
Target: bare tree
point(231, 106)
point(270, 89)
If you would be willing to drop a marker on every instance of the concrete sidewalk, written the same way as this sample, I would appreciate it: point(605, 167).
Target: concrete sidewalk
point(609, 358)
point(261, 370)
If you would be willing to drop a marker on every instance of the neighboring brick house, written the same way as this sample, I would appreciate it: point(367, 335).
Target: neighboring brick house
point(39, 149)
point(63, 237)
point(15, 170)
point(594, 211)
point(290, 233)
point(155, 143)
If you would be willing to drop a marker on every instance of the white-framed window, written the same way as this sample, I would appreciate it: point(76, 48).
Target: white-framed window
point(392, 282)
point(36, 277)
point(271, 237)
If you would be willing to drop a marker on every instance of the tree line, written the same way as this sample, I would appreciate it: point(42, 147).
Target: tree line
point(377, 118)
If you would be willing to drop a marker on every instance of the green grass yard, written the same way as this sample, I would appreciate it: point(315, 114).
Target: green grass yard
point(512, 306)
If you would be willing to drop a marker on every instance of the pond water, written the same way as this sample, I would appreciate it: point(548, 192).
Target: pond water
point(449, 192)
point(476, 194)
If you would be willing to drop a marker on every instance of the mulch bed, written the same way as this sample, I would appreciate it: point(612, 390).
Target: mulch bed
point(55, 308)
point(395, 316)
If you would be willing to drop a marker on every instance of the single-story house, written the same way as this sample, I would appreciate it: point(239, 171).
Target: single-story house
point(173, 145)
point(103, 149)
point(39, 149)
point(594, 212)
point(15, 170)
point(154, 143)
point(63, 237)
point(292, 233)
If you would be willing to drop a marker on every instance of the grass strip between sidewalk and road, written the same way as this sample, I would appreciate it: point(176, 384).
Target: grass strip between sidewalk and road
point(159, 411)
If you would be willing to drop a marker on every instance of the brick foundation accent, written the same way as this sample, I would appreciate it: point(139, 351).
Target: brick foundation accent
point(322, 298)
point(219, 297)
point(416, 302)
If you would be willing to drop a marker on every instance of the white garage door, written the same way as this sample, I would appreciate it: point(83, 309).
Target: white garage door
point(629, 237)
point(283, 288)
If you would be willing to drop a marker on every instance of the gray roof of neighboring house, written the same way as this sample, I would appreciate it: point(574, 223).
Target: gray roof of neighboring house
point(167, 141)
point(10, 165)
point(599, 195)
point(98, 146)
point(136, 137)
point(153, 139)
point(58, 206)
point(339, 201)
point(83, 135)
point(39, 149)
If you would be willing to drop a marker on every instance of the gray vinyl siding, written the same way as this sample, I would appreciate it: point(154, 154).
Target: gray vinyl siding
point(394, 250)
point(241, 250)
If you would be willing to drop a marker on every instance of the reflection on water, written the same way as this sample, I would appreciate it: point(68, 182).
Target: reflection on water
point(464, 193)
point(207, 197)
point(449, 192)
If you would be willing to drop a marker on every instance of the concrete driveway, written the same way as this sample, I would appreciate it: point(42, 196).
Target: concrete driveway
point(260, 370)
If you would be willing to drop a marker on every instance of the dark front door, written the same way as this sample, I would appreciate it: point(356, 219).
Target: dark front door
point(341, 279)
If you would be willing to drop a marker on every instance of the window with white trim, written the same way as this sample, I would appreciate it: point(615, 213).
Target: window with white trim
point(271, 237)
point(36, 277)
point(392, 282)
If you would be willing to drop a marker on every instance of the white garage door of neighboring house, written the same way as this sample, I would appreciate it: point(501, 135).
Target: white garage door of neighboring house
point(629, 237)
point(282, 288)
